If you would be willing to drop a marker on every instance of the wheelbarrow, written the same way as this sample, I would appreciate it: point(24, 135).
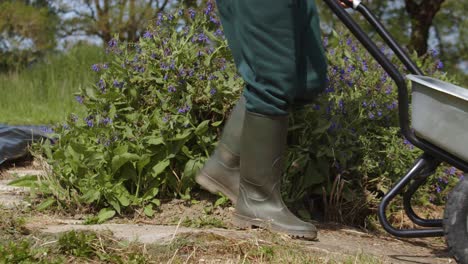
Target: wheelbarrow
point(438, 126)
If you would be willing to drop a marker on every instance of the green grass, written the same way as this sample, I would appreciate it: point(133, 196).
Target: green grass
point(44, 93)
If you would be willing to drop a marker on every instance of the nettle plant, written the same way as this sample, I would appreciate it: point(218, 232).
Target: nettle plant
point(157, 109)
point(152, 119)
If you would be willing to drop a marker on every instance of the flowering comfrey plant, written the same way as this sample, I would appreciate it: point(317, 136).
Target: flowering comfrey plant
point(153, 115)
point(351, 135)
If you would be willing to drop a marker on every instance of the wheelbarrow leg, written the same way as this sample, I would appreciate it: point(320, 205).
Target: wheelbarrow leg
point(422, 164)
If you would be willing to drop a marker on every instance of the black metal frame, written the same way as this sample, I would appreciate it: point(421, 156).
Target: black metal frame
point(433, 155)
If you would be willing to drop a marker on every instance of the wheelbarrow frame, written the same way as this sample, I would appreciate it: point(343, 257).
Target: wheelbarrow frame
point(433, 155)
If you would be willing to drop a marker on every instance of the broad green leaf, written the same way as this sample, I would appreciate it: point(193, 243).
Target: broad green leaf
point(160, 167)
point(149, 210)
point(151, 193)
point(105, 214)
point(202, 127)
point(119, 160)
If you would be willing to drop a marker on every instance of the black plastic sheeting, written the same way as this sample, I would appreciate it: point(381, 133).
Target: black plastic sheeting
point(14, 140)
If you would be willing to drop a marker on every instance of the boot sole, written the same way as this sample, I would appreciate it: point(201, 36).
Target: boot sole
point(214, 187)
point(245, 222)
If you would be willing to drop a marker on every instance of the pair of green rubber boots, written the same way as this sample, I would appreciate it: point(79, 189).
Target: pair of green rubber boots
point(247, 166)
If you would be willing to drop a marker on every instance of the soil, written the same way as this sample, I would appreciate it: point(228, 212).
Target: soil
point(178, 217)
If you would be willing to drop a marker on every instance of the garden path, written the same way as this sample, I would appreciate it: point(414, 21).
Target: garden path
point(334, 240)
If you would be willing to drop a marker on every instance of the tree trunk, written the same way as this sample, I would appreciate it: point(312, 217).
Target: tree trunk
point(422, 14)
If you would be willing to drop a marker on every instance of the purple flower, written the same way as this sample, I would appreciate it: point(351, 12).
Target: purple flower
point(364, 66)
point(325, 41)
point(106, 121)
point(164, 66)
point(439, 65)
point(392, 106)
point(159, 19)
point(89, 121)
point(213, 91)
point(95, 67)
point(170, 17)
point(371, 115)
point(167, 52)
point(438, 190)
point(364, 104)
point(451, 171)
point(102, 85)
point(180, 12)
point(112, 43)
point(118, 84)
point(379, 113)
point(165, 77)
point(209, 8)
point(214, 20)
point(212, 77)
point(147, 35)
point(349, 42)
point(153, 56)
point(218, 32)
point(192, 13)
point(434, 52)
point(105, 66)
point(79, 99)
point(165, 118)
point(388, 90)
point(184, 109)
point(407, 143)
point(171, 89)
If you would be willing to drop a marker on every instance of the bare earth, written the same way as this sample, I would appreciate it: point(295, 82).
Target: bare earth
point(177, 218)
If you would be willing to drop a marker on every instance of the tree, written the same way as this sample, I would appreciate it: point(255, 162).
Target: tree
point(104, 18)
point(27, 30)
point(422, 13)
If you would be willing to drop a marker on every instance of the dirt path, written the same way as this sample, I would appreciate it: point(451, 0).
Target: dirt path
point(176, 218)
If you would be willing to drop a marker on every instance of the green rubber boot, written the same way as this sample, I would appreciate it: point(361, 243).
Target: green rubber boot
point(221, 172)
point(263, 145)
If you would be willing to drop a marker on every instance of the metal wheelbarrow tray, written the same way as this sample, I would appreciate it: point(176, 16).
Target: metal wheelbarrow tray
point(440, 114)
point(439, 127)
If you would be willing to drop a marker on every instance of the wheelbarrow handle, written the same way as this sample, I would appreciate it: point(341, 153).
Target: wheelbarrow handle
point(387, 37)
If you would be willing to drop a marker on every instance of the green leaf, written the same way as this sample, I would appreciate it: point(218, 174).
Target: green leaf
point(191, 167)
point(222, 200)
point(151, 193)
point(156, 202)
point(217, 123)
point(105, 214)
point(202, 127)
point(155, 141)
point(119, 160)
point(45, 204)
point(187, 133)
point(149, 210)
point(123, 199)
point(26, 181)
point(143, 162)
point(160, 167)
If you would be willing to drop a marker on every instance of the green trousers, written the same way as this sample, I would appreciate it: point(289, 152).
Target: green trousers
point(278, 51)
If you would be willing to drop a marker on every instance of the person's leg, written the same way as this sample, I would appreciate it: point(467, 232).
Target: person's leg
point(272, 64)
point(221, 172)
